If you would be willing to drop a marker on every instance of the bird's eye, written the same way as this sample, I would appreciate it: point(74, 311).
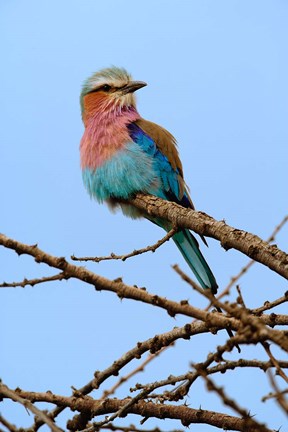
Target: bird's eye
point(106, 87)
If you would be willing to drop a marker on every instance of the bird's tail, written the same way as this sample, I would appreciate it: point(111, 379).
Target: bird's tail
point(188, 246)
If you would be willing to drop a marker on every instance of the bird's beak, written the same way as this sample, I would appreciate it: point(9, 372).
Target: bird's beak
point(132, 86)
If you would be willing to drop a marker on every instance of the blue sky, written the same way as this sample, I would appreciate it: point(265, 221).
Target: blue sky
point(217, 79)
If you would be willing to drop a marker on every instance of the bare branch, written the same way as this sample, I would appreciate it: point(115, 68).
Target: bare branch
point(244, 270)
point(151, 248)
point(138, 369)
point(8, 425)
point(252, 327)
point(33, 282)
point(116, 286)
point(191, 376)
point(11, 394)
point(274, 361)
point(208, 295)
point(251, 424)
point(132, 428)
point(247, 243)
point(145, 409)
point(278, 394)
point(270, 305)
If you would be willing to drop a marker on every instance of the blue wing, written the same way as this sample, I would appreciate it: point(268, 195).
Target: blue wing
point(170, 188)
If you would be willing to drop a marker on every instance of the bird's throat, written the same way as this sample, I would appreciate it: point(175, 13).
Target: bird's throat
point(105, 133)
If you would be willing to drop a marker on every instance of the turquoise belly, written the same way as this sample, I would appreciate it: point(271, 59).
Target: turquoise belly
point(129, 171)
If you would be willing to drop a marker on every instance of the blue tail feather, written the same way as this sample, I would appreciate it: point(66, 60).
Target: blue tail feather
point(188, 246)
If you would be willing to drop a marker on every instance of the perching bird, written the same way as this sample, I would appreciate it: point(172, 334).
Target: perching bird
point(122, 154)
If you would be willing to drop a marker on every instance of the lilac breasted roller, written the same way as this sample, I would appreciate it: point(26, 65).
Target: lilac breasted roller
point(122, 154)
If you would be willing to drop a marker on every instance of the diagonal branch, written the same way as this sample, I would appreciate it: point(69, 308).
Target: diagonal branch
point(245, 269)
point(11, 427)
point(33, 282)
point(116, 286)
point(145, 409)
point(245, 242)
point(11, 394)
point(270, 305)
point(125, 291)
point(138, 369)
point(251, 424)
point(154, 345)
point(113, 256)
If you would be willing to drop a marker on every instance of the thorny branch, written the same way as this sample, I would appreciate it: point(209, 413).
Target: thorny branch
point(145, 409)
point(245, 269)
point(251, 326)
point(250, 423)
point(14, 395)
point(247, 243)
point(33, 282)
point(113, 256)
point(138, 369)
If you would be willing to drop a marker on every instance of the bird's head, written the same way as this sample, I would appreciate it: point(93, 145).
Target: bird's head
point(108, 89)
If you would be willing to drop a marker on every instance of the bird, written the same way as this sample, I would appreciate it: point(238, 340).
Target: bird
point(123, 154)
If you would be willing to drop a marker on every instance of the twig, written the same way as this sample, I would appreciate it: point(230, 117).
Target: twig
point(153, 345)
point(183, 389)
point(140, 368)
point(251, 424)
point(240, 299)
point(245, 318)
point(244, 270)
point(245, 242)
point(113, 256)
point(145, 409)
point(8, 425)
point(275, 362)
point(8, 393)
point(270, 305)
point(273, 395)
point(278, 394)
point(132, 428)
point(208, 294)
point(33, 282)
point(193, 376)
point(121, 412)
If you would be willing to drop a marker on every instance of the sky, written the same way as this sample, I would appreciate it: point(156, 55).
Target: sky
point(217, 79)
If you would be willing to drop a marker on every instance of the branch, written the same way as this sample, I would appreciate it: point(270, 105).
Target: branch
point(151, 248)
point(278, 394)
point(154, 345)
point(245, 269)
point(191, 377)
point(14, 395)
point(116, 286)
point(270, 305)
point(251, 424)
point(275, 362)
point(138, 369)
point(145, 409)
point(245, 317)
point(247, 243)
point(33, 282)
point(125, 291)
point(11, 427)
point(132, 428)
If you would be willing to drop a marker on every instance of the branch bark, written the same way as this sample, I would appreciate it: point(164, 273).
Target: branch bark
point(145, 409)
point(249, 244)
